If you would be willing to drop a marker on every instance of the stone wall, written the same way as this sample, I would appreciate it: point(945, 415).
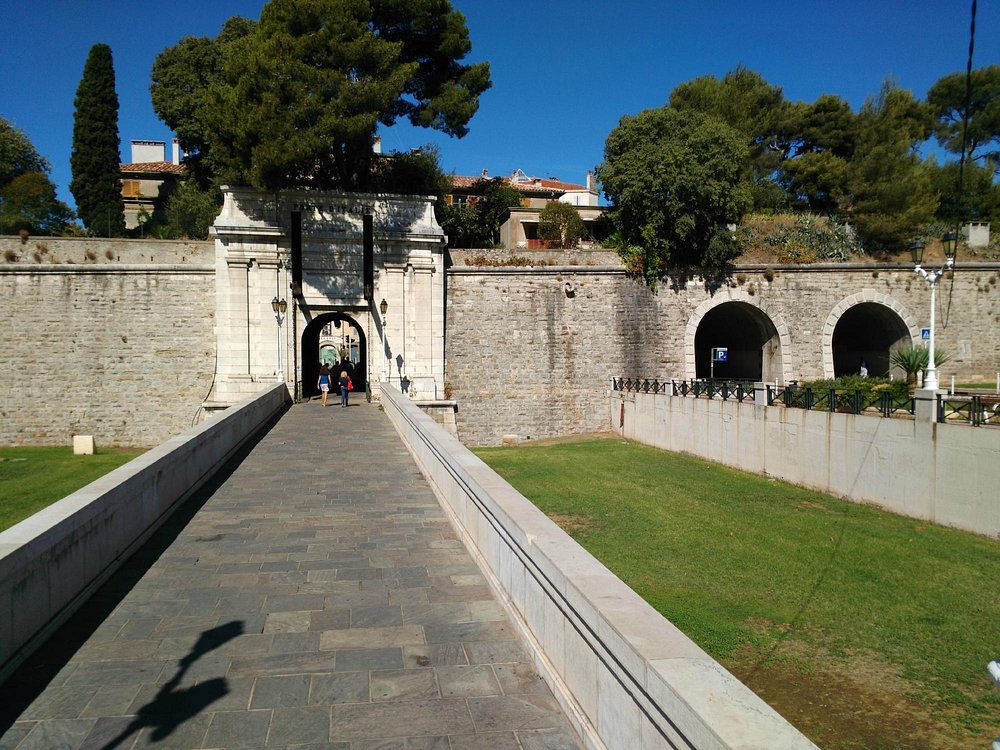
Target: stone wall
point(102, 251)
point(530, 351)
point(123, 352)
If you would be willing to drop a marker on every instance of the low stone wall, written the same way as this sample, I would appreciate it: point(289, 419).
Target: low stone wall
point(946, 473)
point(626, 676)
point(53, 561)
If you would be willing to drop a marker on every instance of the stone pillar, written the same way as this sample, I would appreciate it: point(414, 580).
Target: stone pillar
point(925, 404)
point(760, 394)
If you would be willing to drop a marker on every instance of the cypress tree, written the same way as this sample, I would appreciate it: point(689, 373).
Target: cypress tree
point(96, 184)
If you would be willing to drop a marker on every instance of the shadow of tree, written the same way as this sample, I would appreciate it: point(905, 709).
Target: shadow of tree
point(173, 705)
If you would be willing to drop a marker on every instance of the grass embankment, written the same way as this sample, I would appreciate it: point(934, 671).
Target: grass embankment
point(863, 628)
point(33, 478)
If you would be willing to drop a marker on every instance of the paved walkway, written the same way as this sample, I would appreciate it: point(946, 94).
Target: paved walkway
point(318, 598)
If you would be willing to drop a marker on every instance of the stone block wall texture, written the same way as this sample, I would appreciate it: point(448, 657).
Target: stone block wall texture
point(531, 351)
point(123, 352)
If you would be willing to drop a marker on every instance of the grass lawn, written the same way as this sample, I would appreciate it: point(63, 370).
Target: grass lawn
point(863, 628)
point(33, 478)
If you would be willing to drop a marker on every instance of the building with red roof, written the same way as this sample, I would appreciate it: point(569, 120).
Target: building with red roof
point(149, 179)
point(520, 230)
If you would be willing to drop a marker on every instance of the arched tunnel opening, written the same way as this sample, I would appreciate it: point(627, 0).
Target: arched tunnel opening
point(869, 332)
point(333, 338)
point(753, 351)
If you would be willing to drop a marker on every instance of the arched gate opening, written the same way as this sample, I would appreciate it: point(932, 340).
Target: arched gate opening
point(333, 337)
point(748, 335)
point(868, 331)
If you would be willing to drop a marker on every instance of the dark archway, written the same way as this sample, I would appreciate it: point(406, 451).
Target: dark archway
point(867, 331)
point(311, 355)
point(754, 351)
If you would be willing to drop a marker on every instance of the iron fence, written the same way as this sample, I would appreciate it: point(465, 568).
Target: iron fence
point(979, 411)
point(840, 400)
point(727, 390)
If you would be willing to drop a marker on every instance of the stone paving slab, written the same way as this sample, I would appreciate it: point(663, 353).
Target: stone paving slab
point(317, 598)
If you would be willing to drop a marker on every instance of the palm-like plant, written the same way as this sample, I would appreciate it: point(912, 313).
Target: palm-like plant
point(914, 359)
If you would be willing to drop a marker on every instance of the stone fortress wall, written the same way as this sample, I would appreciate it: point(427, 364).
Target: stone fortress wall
point(122, 345)
point(531, 351)
point(119, 345)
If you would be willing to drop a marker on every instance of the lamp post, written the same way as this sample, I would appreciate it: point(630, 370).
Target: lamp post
point(383, 307)
point(279, 307)
point(950, 241)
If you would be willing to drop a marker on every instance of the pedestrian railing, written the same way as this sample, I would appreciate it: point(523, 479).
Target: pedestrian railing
point(840, 400)
point(979, 411)
point(727, 390)
point(791, 396)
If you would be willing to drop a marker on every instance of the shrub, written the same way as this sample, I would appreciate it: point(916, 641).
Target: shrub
point(913, 359)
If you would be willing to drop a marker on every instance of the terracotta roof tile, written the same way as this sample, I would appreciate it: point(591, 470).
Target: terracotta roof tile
point(154, 167)
point(537, 184)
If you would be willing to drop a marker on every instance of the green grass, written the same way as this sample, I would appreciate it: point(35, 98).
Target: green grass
point(33, 478)
point(758, 571)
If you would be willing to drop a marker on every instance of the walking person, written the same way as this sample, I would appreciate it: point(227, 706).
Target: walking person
point(324, 381)
point(345, 384)
point(863, 370)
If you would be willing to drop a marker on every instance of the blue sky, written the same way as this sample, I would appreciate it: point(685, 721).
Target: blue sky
point(564, 72)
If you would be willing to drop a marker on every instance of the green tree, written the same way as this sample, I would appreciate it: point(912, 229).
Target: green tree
point(415, 173)
point(745, 101)
point(460, 225)
point(890, 187)
point(979, 199)
point(29, 202)
point(946, 100)
point(478, 223)
point(296, 98)
point(821, 141)
point(190, 210)
point(17, 154)
point(95, 160)
point(675, 180)
point(181, 90)
point(560, 224)
point(27, 195)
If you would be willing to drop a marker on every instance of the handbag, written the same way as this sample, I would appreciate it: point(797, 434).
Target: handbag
point(350, 385)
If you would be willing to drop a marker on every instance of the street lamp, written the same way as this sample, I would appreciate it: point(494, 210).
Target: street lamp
point(279, 307)
point(383, 307)
point(949, 241)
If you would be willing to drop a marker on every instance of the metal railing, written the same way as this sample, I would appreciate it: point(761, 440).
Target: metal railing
point(840, 400)
point(727, 390)
point(979, 411)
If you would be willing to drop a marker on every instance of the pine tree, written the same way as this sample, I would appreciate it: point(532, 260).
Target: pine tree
point(96, 184)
